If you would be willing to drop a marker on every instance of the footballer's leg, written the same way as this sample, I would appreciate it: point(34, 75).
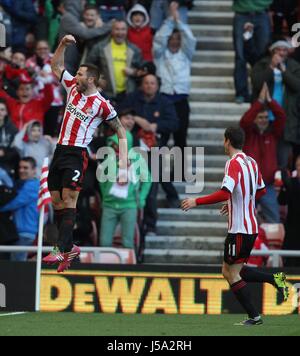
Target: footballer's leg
point(70, 198)
point(236, 253)
point(65, 240)
point(278, 280)
point(58, 206)
point(240, 289)
point(65, 251)
point(250, 274)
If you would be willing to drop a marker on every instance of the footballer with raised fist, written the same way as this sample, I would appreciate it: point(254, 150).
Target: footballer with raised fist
point(85, 110)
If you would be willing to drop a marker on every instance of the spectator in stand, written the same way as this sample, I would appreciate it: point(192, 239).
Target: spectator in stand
point(23, 17)
point(53, 15)
point(5, 58)
point(262, 138)
point(18, 60)
point(139, 32)
point(41, 28)
point(40, 65)
point(30, 142)
point(120, 201)
point(282, 75)
point(70, 25)
point(118, 60)
point(30, 44)
point(130, 121)
point(9, 157)
point(25, 108)
point(290, 196)
point(5, 54)
point(7, 128)
point(152, 106)
point(24, 206)
point(174, 47)
point(254, 12)
point(160, 11)
point(91, 19)
point(284, 10)
point(112, 9)
point(13, 72)
point(8, 233)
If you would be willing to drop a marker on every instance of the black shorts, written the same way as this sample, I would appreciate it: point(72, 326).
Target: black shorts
point(68, 168)
point(238, 248)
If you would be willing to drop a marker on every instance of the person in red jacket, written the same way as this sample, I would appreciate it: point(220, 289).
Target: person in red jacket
point(26, 108)
point(139, 32)
point(262, 137)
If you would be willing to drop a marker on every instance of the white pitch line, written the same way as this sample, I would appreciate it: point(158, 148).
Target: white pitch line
point(11, 314)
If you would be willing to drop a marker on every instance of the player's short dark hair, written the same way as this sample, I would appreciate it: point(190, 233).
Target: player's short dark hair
point(92, 71)
point(236, 136)
point(29, 160)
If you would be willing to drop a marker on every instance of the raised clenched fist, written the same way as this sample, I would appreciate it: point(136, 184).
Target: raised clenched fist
point(67, 40)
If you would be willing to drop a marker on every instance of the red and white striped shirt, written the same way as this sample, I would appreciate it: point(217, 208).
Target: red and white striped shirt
point(242, 179)
point(83, 114)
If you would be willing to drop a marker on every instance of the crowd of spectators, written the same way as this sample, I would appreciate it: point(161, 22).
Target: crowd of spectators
point(144, 49)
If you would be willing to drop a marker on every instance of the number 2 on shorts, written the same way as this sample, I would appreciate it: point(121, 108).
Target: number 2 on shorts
point(76, 177)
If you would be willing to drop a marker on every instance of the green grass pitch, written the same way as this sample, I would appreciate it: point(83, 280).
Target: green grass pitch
point(70, 324)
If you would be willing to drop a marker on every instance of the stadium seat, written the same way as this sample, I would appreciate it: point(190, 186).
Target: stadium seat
point(275, 234)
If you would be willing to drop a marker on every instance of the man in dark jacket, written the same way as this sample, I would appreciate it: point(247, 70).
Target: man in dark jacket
point(261, 144)
point(70, 25)
point(8, 156)
point(149, 104)
point(251, 21)
point(282, 75)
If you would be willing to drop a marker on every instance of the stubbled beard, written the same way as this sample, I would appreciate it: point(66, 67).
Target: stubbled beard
point(82, 88)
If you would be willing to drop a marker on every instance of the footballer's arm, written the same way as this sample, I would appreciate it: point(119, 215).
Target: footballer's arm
point(217, 197)
point(58, 60)
point(116, 125)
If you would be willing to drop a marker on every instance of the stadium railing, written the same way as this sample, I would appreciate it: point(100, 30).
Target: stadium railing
point(97, 251)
